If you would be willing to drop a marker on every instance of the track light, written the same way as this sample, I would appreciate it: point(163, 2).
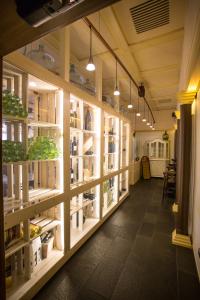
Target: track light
point(116, 91)
point(138, 114)
point(151, 126)
point(148, 123)
point(90, 66)
point(130, 105)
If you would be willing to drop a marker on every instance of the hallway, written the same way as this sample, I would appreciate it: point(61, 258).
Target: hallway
point(130, 256)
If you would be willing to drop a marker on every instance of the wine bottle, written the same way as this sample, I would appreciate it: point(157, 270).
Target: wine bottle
point(71, 173)
point(75, 118)
point(71, 118)
point(74, 146)
point(88, 120)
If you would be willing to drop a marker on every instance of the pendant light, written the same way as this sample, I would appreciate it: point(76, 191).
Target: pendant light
point(148, 123)
point(90, 66)
point(130, 105)
point(138, 114)
point(116, 91)
point(144, 119)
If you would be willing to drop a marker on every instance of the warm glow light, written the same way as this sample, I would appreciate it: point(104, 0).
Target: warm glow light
point(151, 126)
point(32, 84)
point(90, 66)
point(148, 123)
point(116, 92)
point(130, 106)
point(144, 120)
point(192, 88)
point(138, 114)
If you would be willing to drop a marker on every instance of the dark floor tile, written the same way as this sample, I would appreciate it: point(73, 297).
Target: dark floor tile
point(185, 260)
point(150, 218)
point(188, 286)
point(128, 231)
point(147, 229)
point(152, 209)
point(164, 227)
point(86, 294)
point(104, 278)
point(130, 257)
point(129, 284)
point(141, 246)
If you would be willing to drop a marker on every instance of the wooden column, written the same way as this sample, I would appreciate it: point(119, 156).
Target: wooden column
point(180, 235)
point(2, 254)
point(184, 168)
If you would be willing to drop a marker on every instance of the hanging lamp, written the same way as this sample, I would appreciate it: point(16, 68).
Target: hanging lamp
point(148, 123)
point(144, 119)
point(130, 105)
point(116, 91)
point(90, 66)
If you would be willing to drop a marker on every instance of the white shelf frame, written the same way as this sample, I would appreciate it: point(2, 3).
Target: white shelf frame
point(28, 67)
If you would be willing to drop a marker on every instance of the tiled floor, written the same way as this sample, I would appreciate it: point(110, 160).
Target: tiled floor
point(130, 257)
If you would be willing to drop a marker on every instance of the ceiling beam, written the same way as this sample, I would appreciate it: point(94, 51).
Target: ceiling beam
point(16, 33)
point(158, 40)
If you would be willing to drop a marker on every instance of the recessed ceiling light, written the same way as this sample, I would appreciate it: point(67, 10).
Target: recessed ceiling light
point(32, 84)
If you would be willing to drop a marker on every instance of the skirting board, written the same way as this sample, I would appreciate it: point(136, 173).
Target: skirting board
point(175, 208)
point(181, 240)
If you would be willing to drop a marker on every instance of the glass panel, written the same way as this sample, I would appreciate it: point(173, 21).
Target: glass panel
point(84, 213)
point(111, 143)
point(123, 184)
point(84, 142)
point(110, 194)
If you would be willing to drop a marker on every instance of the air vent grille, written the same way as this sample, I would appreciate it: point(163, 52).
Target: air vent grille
point(150, 15)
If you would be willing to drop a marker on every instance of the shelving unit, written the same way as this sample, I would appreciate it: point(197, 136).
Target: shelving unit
point(84, 142)
point(70, 179)
point(123, 184)
point(111, 143)
point(158, 152)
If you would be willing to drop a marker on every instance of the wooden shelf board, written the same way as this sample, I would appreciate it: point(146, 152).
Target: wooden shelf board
point(48, 227)
point(76, 208)
point(76, 235)
point(16, 247)
point(29, 161)
point(21, 286)
point(33, 123)
point(13, 118)
point(41, 194)
point(106, 210)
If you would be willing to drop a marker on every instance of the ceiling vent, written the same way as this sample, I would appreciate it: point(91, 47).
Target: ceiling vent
point(150, 15)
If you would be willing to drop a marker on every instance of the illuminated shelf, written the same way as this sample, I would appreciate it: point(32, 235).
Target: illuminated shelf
point(37, 195)
point(52, 224)
point(33, 123)
point(16, 247)
point(75, 208)
point(77, 235)
point(21, 286)
point(13, 118)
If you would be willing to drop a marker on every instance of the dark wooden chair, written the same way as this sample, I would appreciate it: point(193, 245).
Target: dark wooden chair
point(169, 185)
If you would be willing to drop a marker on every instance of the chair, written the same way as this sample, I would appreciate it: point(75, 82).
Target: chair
point(169, 186)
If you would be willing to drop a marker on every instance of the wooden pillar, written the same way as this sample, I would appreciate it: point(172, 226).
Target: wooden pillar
point(180, 234)
point(184, 168)
point(2, 254)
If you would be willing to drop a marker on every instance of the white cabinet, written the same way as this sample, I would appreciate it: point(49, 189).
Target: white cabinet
point(158, 153)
